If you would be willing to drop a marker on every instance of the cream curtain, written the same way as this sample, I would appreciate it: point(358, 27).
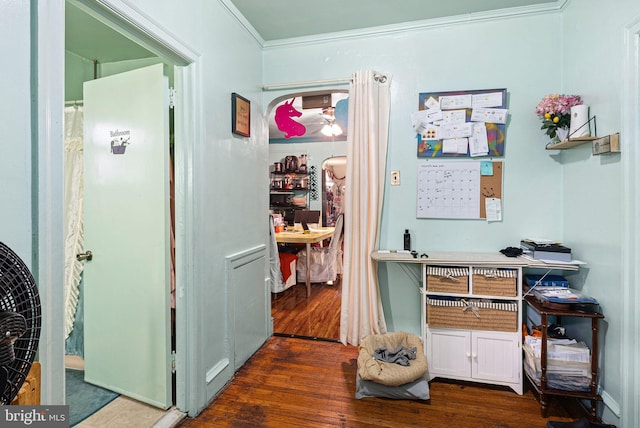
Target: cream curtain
point(73, 228)
point(369, 105)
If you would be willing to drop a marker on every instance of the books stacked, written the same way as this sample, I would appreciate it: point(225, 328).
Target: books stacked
point(545, 250)
point(546, 280)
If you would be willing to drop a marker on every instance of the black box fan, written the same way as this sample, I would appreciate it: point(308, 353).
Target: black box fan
point(20, 320)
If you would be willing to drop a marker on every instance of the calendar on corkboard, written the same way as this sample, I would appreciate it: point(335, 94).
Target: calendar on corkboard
point(457, 190)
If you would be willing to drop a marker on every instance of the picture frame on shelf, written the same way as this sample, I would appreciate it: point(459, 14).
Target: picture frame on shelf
point(240, 115)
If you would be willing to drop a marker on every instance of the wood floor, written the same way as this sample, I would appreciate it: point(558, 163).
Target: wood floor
point(317, 316)
point(293, 382)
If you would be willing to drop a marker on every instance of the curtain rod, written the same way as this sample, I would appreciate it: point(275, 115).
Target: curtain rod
point(73, 103)
point(378, 77)
point(307, 83)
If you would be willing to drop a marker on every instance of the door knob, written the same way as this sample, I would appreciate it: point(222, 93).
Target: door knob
point(87, 255)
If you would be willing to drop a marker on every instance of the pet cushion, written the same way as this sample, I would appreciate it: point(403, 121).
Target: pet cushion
point(416, 390)
point(390, 374)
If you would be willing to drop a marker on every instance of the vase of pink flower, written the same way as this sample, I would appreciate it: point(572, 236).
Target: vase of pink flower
point(555, 112)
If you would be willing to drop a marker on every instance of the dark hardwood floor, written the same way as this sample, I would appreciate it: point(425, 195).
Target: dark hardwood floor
point(296, 382)
point(293, 382)
point(317, 316)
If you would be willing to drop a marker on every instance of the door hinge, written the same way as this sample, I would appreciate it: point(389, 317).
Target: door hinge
point(172, 96)
point(173, 361)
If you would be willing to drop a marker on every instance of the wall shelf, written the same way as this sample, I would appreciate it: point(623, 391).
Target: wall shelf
point(570, 143)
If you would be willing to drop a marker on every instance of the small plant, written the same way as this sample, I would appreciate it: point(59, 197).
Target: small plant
point(555, 112)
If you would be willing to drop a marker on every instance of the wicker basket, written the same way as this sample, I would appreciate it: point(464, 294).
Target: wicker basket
point(448, 279)
point(472, 314)
point(494, 282)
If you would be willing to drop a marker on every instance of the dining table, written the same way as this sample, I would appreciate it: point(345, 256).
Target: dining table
point(307, 237)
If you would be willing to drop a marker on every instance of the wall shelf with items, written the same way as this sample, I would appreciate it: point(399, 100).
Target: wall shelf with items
point(570, 143)
point(600, 145)
point(288, 192)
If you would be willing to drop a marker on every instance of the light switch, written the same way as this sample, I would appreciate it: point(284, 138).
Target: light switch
point(395, 178)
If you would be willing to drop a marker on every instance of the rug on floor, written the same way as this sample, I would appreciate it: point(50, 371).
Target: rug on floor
point(83, 398)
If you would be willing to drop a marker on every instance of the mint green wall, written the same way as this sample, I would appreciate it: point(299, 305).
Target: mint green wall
point(15, 110)
point(231, 172)
point(453, 57)
point(76, 71)
point(562, 196)
point(592, 185)
point(79, 70)
point(229, 176)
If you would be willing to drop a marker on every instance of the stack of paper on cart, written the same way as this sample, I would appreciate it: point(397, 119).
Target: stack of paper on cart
point(568, 363)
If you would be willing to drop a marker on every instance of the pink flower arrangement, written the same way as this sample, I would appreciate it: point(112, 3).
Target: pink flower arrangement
point(555, 112)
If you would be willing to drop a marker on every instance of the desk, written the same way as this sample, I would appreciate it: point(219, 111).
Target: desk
point(457, 346)
point(457, 258)
point(317, 235)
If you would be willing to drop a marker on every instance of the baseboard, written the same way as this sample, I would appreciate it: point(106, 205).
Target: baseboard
point(610, 402)
point(171, 418)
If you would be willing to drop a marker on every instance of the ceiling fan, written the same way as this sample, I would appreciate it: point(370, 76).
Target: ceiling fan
point(331, 128)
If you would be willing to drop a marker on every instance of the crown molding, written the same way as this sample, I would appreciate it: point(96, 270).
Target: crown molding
point(239, 17)
point(383, 30)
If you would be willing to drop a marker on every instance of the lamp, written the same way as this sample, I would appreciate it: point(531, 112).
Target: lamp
point(331, 128)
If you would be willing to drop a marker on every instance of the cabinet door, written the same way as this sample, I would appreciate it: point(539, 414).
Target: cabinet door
point(449, 353)
point(496, 356)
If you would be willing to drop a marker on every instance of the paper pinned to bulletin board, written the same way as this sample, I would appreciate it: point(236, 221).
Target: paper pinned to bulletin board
point(458, 189)
point(461, 123)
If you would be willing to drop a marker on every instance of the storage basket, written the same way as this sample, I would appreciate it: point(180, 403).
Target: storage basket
point(448, 279)
point(494, 282)
point(472, 314)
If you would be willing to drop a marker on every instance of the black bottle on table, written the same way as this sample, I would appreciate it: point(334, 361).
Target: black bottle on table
point(407, 240)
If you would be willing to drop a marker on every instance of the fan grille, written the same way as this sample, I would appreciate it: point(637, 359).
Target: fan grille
point(19, 293)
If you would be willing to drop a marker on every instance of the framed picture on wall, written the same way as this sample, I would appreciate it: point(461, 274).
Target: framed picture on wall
point(240, 115)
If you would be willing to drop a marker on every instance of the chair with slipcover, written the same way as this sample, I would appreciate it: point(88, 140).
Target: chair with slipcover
point(282, 266)
point(325, 263)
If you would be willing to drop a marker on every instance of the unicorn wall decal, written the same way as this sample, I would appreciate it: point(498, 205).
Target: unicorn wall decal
point(285, 123)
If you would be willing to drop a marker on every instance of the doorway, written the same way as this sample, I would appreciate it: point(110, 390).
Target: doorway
point(118, 54)
point(293, 313)
point(334, 175)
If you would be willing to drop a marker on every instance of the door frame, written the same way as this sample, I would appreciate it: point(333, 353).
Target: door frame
point(48, 29)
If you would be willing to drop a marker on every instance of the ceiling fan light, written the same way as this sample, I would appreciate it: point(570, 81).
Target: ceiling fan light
point(335, 129)
point(326, 130)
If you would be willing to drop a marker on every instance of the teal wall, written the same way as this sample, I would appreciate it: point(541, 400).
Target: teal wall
point(571, 195)
point(545, 194)
point(451, 57)
point(79, 70)
point(592, 185)
point(16, 161)
point(229, 179)
point(76, 71)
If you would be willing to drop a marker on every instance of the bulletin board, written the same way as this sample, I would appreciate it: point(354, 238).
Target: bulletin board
point(457, 189)
point(430, 144)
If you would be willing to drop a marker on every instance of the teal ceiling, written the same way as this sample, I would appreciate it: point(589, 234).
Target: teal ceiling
point(282, 19)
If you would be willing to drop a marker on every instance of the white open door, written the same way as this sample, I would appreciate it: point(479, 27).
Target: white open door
point(127, 224)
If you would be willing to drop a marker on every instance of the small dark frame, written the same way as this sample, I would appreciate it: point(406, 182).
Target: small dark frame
point(240, 115)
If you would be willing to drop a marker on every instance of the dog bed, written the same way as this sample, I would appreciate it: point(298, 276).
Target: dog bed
point(387, 373)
